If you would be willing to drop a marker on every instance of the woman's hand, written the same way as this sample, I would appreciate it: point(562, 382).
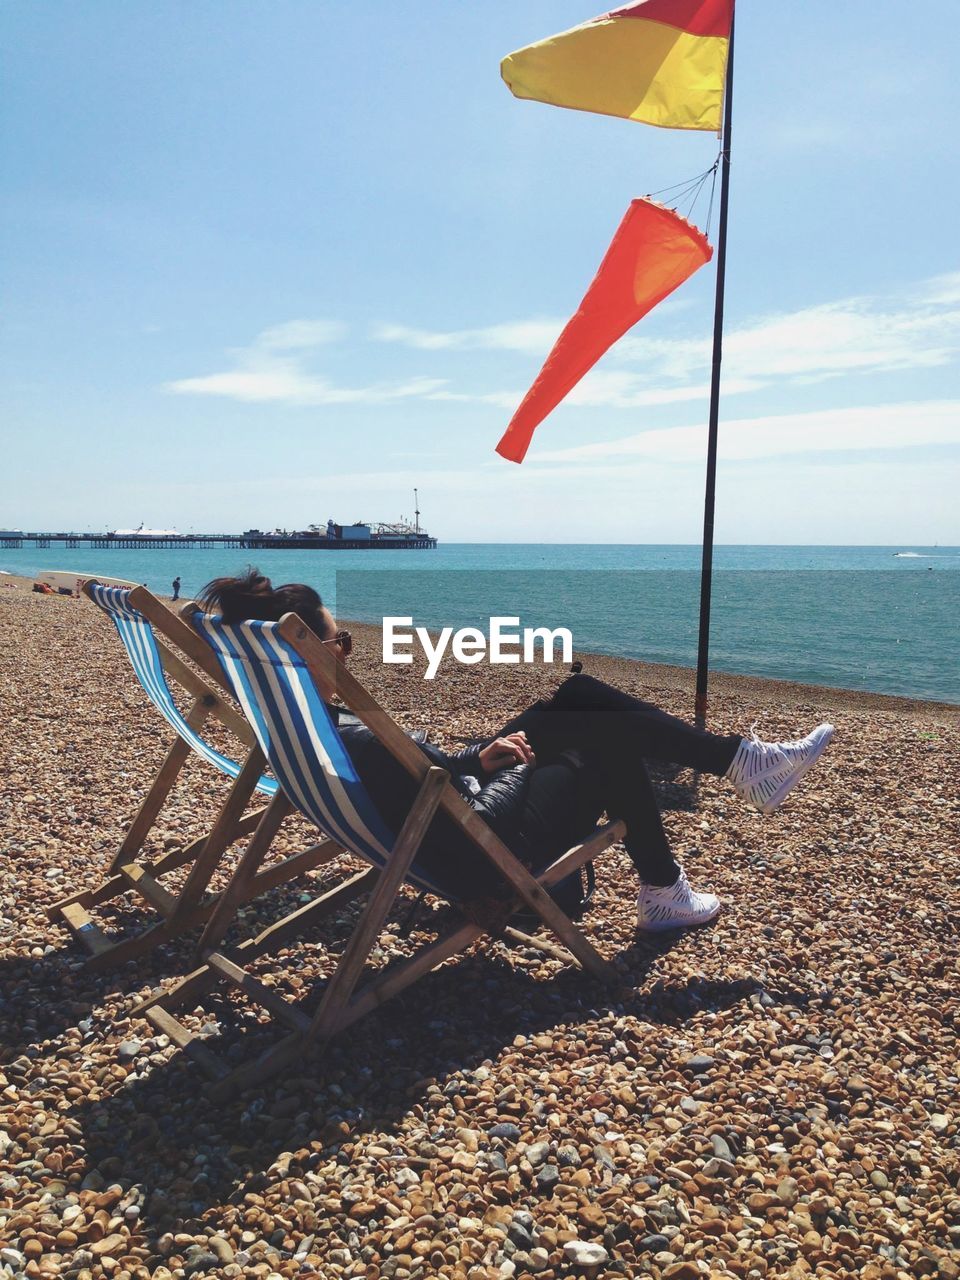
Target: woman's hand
point(504, 753)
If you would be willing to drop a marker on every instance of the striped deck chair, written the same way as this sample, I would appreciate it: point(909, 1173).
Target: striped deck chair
point(281, 674)
point(137, 616)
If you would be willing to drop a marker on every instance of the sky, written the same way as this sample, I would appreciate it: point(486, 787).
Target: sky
point(267, 263)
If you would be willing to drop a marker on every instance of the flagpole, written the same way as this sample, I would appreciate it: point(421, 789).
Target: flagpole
point(709, 498)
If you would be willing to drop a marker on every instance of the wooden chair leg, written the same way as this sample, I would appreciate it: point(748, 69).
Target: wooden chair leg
point(341, 985)
point(536, 897)
point(279, 1056)
point(292, 868)
point(557, 920)
point(153, 802)
point(235, 892)
point(399, 976)
point(222, 834)
point(140, 943)
point(194, 985)
point(116, 885)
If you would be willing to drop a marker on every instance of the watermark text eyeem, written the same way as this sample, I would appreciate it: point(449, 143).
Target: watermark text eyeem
point(503, 642)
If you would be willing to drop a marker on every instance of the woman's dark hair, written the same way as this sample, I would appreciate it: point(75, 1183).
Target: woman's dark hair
point(252, 595)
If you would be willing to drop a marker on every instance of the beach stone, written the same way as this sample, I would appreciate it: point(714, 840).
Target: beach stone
point(200, 1260)
point(681, 1271)
point(537, 1153)
point(110, 1244)
point(520, 1235)
point(939, 1123)
point(582, 1253)
point(222, 1249)
point(788, 1191)
point(508, 1132)
point(721, 1148)
point(548, 1177)
point(591, 1215)
point(654, 1244)
point(699, 1063)
point(127, 1050)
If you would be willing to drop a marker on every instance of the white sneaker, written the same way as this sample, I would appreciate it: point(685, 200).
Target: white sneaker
point(675, 906)
point(763, 773)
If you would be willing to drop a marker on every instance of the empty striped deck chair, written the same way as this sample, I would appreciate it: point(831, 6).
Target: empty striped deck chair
point(137, 616)
point(281, 675)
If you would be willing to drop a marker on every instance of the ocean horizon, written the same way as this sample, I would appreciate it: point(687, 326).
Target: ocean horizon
point(870, 618)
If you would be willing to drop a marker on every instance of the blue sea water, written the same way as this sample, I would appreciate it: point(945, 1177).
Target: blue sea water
point(873, 618)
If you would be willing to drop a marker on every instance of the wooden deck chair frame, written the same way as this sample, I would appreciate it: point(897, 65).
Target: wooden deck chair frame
point(176, 913)
point(344, 1001)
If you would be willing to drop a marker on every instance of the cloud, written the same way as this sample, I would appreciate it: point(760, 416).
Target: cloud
point(298, 334)
point(621, 389)
point(873, 428)
point(284, 382)
point(917, 329)
point(531, 337)
point(263, 374)
point(941, 290)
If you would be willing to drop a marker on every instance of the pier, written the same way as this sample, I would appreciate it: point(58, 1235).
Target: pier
point(252, 540)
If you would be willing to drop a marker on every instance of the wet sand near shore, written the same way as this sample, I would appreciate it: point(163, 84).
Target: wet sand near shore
point(776, 1095)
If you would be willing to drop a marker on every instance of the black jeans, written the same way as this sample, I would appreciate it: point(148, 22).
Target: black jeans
point(590, 741)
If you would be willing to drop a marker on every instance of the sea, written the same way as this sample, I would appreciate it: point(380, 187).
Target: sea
point(882, 619)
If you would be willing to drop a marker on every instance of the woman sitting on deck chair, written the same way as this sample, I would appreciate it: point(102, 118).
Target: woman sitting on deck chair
point(544, 780)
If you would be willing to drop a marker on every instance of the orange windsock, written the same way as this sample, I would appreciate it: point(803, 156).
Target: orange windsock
point(653, 251)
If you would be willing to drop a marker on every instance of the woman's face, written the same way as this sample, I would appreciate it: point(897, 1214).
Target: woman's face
point(329, 634)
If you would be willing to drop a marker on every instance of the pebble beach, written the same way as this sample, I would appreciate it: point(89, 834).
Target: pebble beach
point(777, 1095)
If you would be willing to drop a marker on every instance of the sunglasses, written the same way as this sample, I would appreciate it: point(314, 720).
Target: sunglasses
point(344, 639)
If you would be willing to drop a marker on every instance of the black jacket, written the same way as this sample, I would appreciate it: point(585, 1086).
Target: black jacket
point(449, 858)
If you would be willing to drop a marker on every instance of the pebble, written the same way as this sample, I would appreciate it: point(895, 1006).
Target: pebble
point(788, 1191)
point(582, 1253)
point(721, 1148)
point(520, 1235)
point(699, 1063)
point(537, 1153)
point(508, 1132)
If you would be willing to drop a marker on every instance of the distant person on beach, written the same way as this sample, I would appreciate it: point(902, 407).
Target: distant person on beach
point(543, 781)
point(176, 588)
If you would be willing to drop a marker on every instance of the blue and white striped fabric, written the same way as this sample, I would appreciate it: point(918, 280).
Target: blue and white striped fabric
point(296, 732)
point(138, 640)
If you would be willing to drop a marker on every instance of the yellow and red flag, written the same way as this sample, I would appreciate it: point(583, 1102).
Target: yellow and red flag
point(652, 253)
point(661, 62)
